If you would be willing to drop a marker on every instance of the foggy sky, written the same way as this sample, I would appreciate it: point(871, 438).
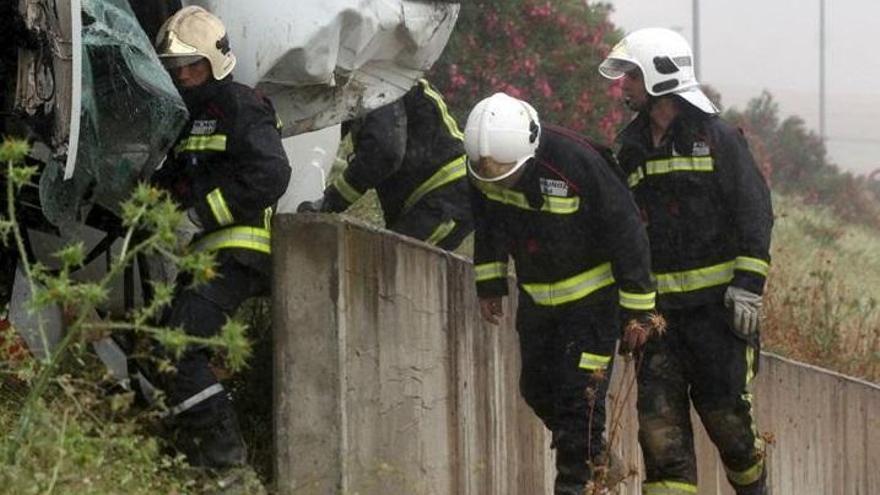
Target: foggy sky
point(751, 45)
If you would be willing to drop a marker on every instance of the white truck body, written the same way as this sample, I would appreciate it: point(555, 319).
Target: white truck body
point(324, 61)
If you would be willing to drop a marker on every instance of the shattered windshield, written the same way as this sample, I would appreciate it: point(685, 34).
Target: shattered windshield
point(131, 115)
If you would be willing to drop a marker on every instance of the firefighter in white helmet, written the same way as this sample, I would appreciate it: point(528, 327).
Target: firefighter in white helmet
point(551, 200)
point(227, 171)
point(709, 219)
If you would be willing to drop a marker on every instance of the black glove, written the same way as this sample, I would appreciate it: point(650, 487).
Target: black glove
point(315, 206)
point(635, 330)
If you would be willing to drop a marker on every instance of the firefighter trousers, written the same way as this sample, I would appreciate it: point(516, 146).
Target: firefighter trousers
point(567, 353)
point(699, 360)
point(199, 404)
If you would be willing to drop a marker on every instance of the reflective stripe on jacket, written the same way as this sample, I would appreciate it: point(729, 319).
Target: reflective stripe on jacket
point(706, 207)
point(229, 166)
point(570, 225)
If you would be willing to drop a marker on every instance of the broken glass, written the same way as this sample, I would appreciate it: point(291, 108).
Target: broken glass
point(131, 115)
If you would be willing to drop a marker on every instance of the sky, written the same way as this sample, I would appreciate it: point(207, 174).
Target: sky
point(747, 46)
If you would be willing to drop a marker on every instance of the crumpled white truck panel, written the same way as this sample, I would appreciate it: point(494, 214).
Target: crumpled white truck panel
point(324, 61)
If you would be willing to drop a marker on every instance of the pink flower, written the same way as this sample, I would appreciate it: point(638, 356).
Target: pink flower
point(529, 65)
point(513, 91)
point(539, 11)
point(609, 123)
point(615, 89)
point(491, 20)
point(456, 79)
point(562, 21)
point(545, 88)
point(584, 103)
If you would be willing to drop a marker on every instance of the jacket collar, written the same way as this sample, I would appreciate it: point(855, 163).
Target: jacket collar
point(196, 98)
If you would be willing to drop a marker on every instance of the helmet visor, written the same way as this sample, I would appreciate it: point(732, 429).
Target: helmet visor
point(697, 98)
point(172, 46)
point(488, 170)
point(175, 62)
point(615, 68)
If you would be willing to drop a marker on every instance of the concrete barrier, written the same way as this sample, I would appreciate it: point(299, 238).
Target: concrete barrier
point(387, 382)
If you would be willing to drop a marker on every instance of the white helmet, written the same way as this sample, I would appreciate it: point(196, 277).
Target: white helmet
point(191, 34)
point(504, 129)
point(666, 62)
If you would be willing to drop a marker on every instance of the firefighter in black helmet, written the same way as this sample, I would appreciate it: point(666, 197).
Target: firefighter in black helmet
point(227, 171)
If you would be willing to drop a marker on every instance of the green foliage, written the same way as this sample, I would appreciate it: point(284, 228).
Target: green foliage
point(794, 160)
point(61, 431)
point(541, 51)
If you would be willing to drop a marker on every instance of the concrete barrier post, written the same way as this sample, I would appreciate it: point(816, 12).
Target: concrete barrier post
point(386, 379)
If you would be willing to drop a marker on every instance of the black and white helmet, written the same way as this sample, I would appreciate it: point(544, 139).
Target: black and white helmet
point(666, 61)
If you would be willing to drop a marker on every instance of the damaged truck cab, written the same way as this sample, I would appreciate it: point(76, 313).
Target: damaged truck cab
point(80, 80)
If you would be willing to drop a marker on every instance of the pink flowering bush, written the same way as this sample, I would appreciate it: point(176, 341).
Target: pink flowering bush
point(545, 52)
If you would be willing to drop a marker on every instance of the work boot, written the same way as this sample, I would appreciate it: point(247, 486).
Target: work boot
point(757, 488)
point(569, 488)
point(572, 472)
point(608, 470)
point(240, 480)
point(214, 444)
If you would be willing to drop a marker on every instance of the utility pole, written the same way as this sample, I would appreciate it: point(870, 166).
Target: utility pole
point(821, 69)
point(696, 36)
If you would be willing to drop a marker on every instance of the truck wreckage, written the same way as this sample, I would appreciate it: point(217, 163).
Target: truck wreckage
point(83, 84)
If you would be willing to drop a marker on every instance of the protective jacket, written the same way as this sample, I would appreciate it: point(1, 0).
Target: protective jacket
point(229, 167)
point(408, 151)
point(570, 225)
point(706, 207)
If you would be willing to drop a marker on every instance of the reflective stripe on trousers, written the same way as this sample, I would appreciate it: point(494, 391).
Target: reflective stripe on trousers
point(668, 488)
point(253, 238)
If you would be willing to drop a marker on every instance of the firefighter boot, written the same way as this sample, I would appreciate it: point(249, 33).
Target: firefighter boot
point(241, 480)
point(572, 471)
point(757, 488)
point(212, 440)
point(608, 470)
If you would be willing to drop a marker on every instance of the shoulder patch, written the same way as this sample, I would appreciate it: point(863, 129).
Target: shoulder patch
point(701, 148)
point(554, 187)
point(203, 127)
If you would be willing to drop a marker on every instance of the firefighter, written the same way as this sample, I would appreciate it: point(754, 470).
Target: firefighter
point(708, 215)
point(226, 170)
point(411, 152)
point(546, 197)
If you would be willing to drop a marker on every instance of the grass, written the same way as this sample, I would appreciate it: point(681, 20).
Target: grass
point(82, 443)
point(823, 290)
point(821, 308)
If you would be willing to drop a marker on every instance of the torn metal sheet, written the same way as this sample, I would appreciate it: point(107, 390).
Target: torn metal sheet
point(40, 329)
point(324, 61)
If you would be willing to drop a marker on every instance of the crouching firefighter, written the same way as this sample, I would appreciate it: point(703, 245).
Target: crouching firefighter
point(227, 170)
point(410, 151)
point(547, 198)
point(709, 219)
